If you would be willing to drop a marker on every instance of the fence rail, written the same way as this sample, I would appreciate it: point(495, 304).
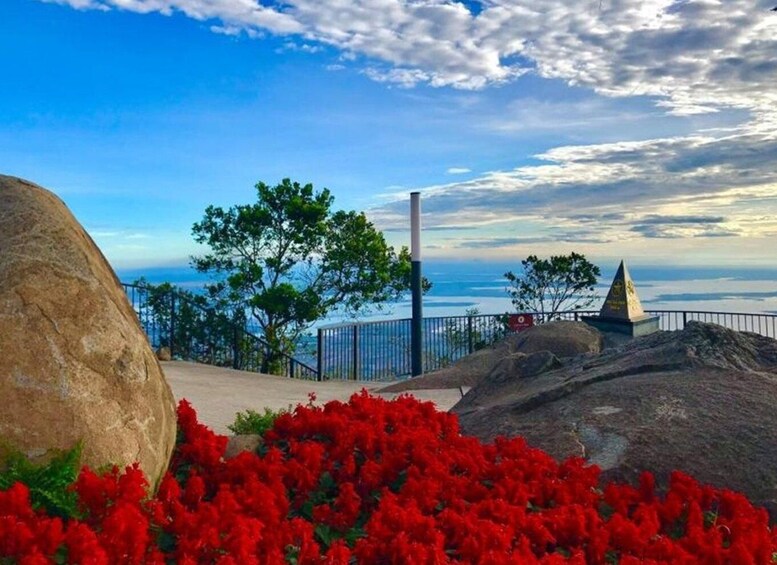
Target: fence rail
point(365, 351)
point(380, 351)
point(194, 332)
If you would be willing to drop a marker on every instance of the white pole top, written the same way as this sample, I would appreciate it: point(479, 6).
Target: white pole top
point(415, 226)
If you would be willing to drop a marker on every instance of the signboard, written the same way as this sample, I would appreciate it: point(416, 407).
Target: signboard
point(520, 322)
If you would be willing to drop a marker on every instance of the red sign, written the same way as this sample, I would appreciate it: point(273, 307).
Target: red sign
point(520, 322)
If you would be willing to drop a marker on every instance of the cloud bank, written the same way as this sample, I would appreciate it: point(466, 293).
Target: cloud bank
point(688, 56)
point(693, 55)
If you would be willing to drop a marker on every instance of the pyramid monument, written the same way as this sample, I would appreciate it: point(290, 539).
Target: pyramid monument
point(622, 311)
point(622, 301)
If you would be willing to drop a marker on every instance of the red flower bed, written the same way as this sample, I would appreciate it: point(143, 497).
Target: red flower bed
point(372, 481)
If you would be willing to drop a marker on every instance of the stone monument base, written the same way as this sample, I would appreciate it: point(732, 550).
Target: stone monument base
point(635, 327)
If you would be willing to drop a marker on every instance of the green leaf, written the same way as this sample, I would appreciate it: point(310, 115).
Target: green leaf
point(49, 483)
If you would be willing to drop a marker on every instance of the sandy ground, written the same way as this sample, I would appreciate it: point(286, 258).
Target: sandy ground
point(217, 394)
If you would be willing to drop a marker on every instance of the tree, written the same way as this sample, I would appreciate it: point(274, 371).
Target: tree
point(289, 260)
point(564, 282)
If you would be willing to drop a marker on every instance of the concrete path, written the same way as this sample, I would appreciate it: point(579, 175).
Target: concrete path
point(217, 394)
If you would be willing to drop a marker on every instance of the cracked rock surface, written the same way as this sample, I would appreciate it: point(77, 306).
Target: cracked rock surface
point(75, 364)
point(701, 400)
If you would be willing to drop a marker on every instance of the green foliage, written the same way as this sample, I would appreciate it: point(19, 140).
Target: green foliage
point(290, 260)
point(49, 483)
point(548, 286)
point(252, 422)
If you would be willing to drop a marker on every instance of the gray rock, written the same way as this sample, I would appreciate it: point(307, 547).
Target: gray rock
point(561, 339)
point(699, 400)
point(512, 368)
point(240, 443)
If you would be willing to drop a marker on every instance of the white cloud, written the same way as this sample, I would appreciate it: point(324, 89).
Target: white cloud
point(458, 170)
point(696, 186)
point(98, 233)
point(300, 48)
point(102, 233)
point(694, 56)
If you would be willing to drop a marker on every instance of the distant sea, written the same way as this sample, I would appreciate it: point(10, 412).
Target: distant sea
point(458, 286)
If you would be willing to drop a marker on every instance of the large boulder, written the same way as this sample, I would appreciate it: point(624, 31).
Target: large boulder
point(75, 364)
point(699, 400)
point(562, 339)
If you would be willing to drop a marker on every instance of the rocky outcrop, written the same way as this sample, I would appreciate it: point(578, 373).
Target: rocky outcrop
point(516, 366)
point(561, 339)
point(699, 400)
point(74, 362)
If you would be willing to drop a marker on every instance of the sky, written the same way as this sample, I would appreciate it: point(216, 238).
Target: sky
point(636, 129)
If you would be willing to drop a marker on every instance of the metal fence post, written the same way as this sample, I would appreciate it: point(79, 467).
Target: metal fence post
point(685, 319)
point(235, 347)
point(356, 352)
point(172, 324)
point(320, 354)
point(291, 367)
point(470, 337)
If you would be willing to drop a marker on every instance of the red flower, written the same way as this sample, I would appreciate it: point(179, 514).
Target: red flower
point(376, 481)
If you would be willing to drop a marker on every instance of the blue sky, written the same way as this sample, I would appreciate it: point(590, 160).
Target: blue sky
point(622, 128)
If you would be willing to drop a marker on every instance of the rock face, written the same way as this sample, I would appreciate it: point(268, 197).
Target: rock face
point(74, 362)
point(561, 339)
point(699, 400)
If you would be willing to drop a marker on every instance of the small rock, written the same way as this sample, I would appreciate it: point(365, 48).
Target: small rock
point(163, 354)
point(240, 443)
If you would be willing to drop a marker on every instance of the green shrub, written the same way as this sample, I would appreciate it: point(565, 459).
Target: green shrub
point(48, 482)
point(252, 422)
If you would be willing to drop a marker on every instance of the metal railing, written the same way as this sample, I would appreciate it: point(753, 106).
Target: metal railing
point(194, 332)
point(366, 351)
point(380, 351)
point(763, 324)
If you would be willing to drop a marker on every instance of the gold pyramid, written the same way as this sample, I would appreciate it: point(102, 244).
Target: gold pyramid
point(622, 301)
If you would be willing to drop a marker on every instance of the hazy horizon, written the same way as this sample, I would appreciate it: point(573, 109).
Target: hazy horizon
point(460, 285)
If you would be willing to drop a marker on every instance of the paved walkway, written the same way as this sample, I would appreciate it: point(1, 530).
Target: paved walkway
point(217, 394)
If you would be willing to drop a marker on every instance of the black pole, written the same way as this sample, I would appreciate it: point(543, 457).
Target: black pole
point(235, 347)
point(356, 352)
point(416, 327)
point(320, 354)
point(172, 324)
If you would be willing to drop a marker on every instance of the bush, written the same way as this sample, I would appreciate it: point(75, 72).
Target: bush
point(252, 422)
